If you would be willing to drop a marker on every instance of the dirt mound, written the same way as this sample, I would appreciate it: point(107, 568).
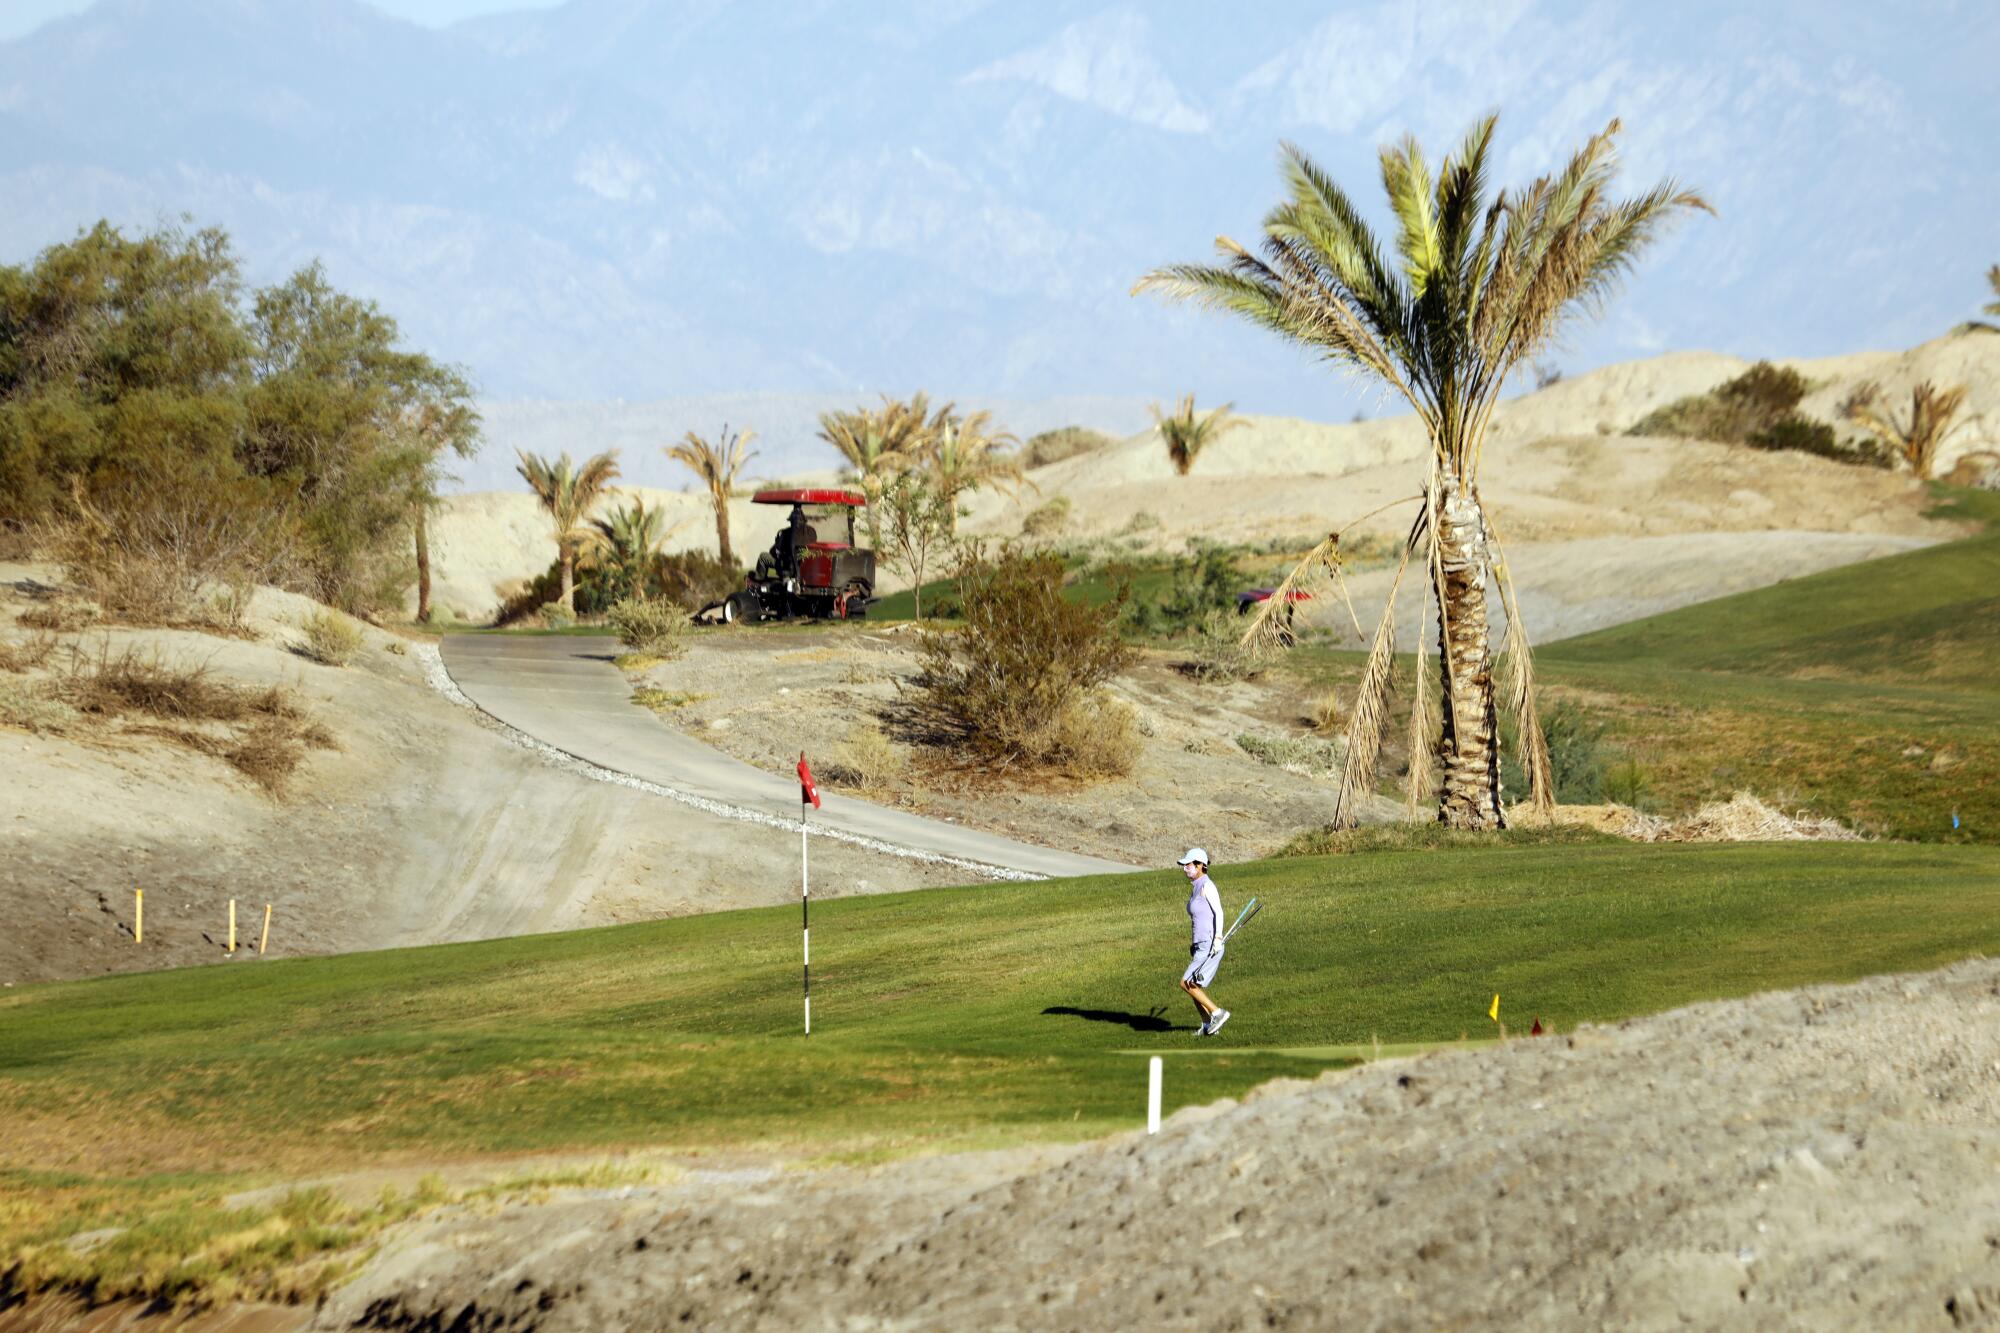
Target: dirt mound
point(1741, 818)
point(1811, 1159)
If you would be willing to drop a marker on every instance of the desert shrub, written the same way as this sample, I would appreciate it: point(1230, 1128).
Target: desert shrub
point(1002, 687)
point(1218, 650)
point(555, 616)
point(331, 638)
point(33, 705)
point(694, 579)
point(1630, 785)
point(1097, 737)
point(656, 628)
point(135, 680)
point(268, 753)
point(27, 654)
point(1048, 519)
point(1306, 756)
point(1324, 712)
point(155, 541)
point(1145, 520)
point(1053, 446)
point(1204, 581)
point(1754, 401)
point(1576, 755)
point(1802, 435)
point(867, 758)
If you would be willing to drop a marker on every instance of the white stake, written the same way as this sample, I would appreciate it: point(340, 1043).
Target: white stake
point(1153, 1095)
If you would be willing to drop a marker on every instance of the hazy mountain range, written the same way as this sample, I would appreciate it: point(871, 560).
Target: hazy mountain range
point(618, 199)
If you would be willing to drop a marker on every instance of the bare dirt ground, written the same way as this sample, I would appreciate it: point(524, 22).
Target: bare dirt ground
point(423, 826)
point(1824, 1158)
point(763, 695)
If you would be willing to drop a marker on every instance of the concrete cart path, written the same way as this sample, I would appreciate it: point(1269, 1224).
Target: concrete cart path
point(564, 691)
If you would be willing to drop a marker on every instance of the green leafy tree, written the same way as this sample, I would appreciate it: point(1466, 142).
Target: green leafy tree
point(717, 466)
point(917, 520)
point(1187, 434)
point(358, 427)
point(568, 495)
point(1485, 282)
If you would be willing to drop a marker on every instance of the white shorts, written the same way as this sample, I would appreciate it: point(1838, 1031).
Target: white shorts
point(1201, 968)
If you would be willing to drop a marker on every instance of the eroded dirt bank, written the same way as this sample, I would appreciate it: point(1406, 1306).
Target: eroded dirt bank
point(1827, 1158)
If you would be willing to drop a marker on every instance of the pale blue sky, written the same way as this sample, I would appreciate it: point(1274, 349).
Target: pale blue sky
point(19, 17)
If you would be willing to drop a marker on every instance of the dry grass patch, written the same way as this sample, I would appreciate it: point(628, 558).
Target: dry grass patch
point(262, 732)
point(331, 638)
point(866, 758)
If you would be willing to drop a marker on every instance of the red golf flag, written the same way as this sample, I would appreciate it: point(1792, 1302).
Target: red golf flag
point(807, 791)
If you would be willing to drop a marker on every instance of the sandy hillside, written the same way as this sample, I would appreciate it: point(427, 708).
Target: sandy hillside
point(1193, 782)
point(1559, 469)
point(422, 826)
point(1814, 1159)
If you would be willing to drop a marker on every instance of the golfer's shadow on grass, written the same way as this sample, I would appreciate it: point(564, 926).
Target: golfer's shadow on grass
point(1152, 1022)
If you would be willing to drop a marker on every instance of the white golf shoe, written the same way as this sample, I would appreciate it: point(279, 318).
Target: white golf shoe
point(1215, 1022)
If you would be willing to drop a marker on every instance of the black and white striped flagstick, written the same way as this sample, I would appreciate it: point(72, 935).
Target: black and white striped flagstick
point(805, 909)
point(808, 798)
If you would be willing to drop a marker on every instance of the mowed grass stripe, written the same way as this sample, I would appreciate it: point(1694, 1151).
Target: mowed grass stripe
point(930, 1008)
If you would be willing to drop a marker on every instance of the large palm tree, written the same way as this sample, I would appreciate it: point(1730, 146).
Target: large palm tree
point(966, 453)
point(569, 494)
point(1993, 281)
point(1186, 434)
point(718, 466)
point(439, 420)
point(1484, 284)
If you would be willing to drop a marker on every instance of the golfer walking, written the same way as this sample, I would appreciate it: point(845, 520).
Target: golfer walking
point(1205, 952)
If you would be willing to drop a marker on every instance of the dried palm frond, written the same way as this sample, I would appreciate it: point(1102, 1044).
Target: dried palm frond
point(1315, 575)
point(1421, 758)
point(1371, 707)
point(1517, 685)
point(1931, 413)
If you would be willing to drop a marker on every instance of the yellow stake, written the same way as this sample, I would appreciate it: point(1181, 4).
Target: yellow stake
point(265, 938)
point(1494, 1012)
point(138, 916)
point(232, 925)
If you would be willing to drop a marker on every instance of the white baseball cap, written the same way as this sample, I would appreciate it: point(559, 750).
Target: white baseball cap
point(1195, 854)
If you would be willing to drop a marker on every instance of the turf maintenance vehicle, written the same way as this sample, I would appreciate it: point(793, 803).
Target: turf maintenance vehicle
point(814, 568)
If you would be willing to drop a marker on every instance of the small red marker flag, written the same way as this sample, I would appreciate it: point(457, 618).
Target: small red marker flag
point(807, 791)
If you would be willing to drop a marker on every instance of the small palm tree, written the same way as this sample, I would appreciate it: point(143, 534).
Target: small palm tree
point(1187, 434)
point(628, 538)
point(1993, 281)
point(1917, 444)
point(569, 494)
point(1485, 283)
point(964, 454)
point(717, 465)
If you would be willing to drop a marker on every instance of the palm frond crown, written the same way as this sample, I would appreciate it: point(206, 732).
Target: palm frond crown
point(1483, 281)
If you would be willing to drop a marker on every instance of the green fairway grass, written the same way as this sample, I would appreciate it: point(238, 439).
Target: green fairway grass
point(948, 1018)
point(1867, 692)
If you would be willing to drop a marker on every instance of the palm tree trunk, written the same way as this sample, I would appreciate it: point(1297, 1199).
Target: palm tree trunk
point(423, 570)
point(1469, 795)
point(722, 531)
point(568, 580)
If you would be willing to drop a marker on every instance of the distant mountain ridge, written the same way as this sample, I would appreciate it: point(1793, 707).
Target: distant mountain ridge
point(621, 199)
